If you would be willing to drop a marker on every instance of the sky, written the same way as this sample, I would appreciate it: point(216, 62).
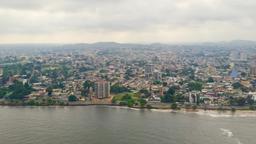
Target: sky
point(135, 21)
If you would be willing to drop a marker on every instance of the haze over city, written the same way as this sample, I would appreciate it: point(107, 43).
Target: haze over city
point(127, 71)
point(129, 21)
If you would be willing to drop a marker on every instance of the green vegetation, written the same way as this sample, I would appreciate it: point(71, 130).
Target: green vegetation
point(128, 99)
point(103, 71)
point(128, 74)
point(72, 98)
point(117, 88)
point(233, 109)
point(197, 86)
point(252, 107)
point(237, 85)
point(210, 80)
point(142, 102)
point(86, 87)
point(3, 92)
point(241, 101)
point(149, 106)
point(17, 90)
point(157, 82)
point(169, 96)
point(145, 93)
point(194, 107)
point(188, 72)
point(43, 102)
point(57, 71)
point(49, 91)
point(174, 106)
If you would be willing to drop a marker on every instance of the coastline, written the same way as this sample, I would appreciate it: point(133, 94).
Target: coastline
point(199, 111)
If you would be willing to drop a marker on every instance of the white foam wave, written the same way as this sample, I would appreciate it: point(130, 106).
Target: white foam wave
point(226, 132)
point(216, 114)
point(229, 133)
point(160, 110)
point(238, 141)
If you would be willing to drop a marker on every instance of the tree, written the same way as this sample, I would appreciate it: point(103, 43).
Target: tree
point(129, 72)
point(3, 92)
point(126, 97)
point(243, 74)
point(145, 93)
point(72, 98)
point(117, 88)
point(194, 107)
point(250, 100)
point(237, 85)
point(188, 72)
point(127, 100)
point(86, 87)
point(19, 91)
point(174, 106)
point(87, 84)
point(195, 86)
point(164, 84)
point(157, 82)
point(130, 103)
point(143, 102)
point(240, 101)
point(169, 96)
point(49, 91)
point(210, 80)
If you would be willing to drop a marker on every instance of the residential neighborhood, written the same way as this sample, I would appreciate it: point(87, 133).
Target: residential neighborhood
point(132, 75)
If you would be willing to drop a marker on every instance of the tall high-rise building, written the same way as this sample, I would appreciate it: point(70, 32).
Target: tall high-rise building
point(149, 69)
point(238, 56)
point(243, 56)
point(253, 71)
point(1, 71)
point(102, 89)
point(157, 76)
point(234, 55)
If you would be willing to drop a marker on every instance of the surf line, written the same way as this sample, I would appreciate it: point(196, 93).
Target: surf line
point(229, 133)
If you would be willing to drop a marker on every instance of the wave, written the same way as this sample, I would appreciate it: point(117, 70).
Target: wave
point(211, 113)
point(124, 107)
point(216, 114)
point(229, 133)
point(160, 110)
point(226, 132)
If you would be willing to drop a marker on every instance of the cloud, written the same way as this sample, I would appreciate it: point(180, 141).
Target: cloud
point(126, 20)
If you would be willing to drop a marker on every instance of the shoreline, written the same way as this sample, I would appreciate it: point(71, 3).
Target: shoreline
point(202, 112)
point(224, 109)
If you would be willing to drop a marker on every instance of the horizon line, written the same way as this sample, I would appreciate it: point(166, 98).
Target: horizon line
point(115, 42)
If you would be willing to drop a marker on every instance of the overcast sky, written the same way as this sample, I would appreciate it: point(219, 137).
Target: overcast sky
point(143, 21)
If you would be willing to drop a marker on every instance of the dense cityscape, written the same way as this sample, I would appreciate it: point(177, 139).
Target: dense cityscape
point(127, 71)
point(191, 76)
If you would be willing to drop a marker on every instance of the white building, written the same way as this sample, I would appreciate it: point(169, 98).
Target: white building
point(102, 89)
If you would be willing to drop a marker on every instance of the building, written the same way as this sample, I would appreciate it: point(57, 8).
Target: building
point(238, 56)
point(194, 97)
point(102, 89)
point(1, 71)
point(253, 71)
point(1, 74)
point(157, 76)
point(149, 69)
point(234, 56)
point(243, 56)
